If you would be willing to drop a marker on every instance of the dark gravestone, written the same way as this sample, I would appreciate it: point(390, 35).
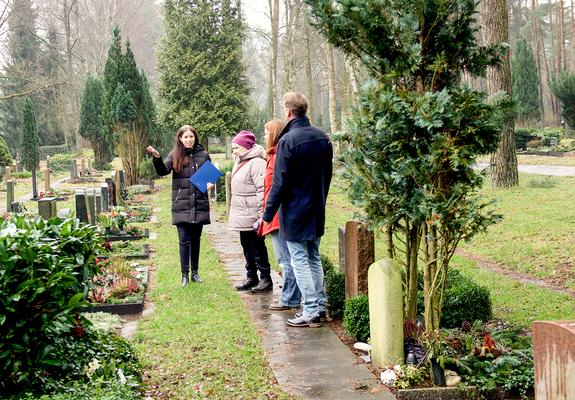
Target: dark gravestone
point(81, 207)
point(111, 192)
point(9, 195)
point(16, 207)
point(341, 237)
point(122, 187)
point(47, 207)
point(98, 201)
point(105, 196)
point(74, 169)
point(359, 255)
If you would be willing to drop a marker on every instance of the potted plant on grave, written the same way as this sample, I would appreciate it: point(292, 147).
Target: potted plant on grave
point(436, 350)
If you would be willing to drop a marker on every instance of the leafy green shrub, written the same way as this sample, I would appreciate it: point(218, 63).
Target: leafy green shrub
point(221, 184)
point(464, 300)
point(91, 367)
point(61, 162)
point(50, 151)
point(106, 167)
point(335, 293)
point(356, 317)
point(534, 144)
point(5, 157)
point(217, 149)
point(46, 269)
point(139, 189)
point(327, 265)
point(146, 170)
point(21, 175)
point(522, 137)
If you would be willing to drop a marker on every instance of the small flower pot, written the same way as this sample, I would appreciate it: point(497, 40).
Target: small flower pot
point(437, 373)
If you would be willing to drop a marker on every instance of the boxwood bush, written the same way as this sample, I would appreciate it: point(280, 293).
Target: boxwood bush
point(46, 269)
point(334, 289)
point(356, 317)
point(61, 162)
point(464, 300)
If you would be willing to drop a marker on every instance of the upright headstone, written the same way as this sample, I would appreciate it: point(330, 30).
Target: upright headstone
point(105, 196)
point(98, 202)
point(82, 166)
point(74, 169)
point(554, 359)
point(359, 255)
point(116, 176)
point(9, 195)
point(122, 187)
point(81, 206)
point(46, 180)
point(385, 313)
point(89, 166)
point(341, 241)
point(7, 172)
point(48, 162)
point(228, 191)
point(15, 167)
point(91, 205)
point(111, 190)
point(47, 207)
point(16, 207)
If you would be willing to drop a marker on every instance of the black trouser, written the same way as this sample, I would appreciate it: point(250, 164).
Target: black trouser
point(189, 236)
point(256, 254)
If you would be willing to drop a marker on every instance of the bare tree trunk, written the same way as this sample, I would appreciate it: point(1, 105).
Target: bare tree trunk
point(571, 62)
point(560, 37)
point(308, 71)
point(333, 121)
point(275, 22)
point(535, 37)
point(495, 30)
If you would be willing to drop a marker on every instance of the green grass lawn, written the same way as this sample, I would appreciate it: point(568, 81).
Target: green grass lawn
point(199, 341)
point(536, 238)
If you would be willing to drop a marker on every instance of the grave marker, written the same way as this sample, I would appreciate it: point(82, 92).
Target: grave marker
point(359, 255)
point(9, 195)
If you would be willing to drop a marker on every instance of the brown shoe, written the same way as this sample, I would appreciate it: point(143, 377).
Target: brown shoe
point(281, 307)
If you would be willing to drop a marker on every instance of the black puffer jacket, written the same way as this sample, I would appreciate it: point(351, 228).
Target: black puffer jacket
point(188, 203)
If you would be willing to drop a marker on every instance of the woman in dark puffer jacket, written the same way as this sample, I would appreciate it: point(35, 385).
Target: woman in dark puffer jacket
point(190, 207)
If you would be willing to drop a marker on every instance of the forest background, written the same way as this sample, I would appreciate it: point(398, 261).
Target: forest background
point(49, 48)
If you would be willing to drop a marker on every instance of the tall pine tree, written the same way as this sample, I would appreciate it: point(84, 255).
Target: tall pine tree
point(29, 142)
point(22, 63)
point(525, 83)
point(91, 122)
point(202, 78)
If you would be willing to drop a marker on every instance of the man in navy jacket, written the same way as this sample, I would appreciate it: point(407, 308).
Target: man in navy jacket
point(302, 174)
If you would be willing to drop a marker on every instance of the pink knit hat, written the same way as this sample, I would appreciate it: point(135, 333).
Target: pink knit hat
point(246, 139)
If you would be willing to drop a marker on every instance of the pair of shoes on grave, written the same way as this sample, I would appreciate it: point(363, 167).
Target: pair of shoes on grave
point(256, 285)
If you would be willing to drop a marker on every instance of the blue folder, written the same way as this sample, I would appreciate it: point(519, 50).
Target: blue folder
point(207, 173)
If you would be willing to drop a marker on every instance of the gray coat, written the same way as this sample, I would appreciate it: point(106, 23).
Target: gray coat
point(247, 189)
point(188, 203)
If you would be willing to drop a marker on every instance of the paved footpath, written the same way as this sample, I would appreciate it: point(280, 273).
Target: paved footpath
point(308, 362)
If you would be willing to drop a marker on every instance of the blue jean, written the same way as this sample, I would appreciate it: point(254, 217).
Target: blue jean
point(291, 296)
point(308, 272)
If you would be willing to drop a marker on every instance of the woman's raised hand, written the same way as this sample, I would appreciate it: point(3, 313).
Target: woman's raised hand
point(153, 152)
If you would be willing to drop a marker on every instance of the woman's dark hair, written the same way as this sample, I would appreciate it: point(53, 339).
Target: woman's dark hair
point(179, 156)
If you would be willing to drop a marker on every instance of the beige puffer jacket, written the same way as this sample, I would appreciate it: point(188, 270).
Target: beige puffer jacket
point(247, 186)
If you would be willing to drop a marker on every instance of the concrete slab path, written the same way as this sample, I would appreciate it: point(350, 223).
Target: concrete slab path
point(308, 362)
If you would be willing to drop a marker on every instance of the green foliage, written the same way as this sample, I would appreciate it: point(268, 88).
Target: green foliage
point(221, 184)
point(525, 82)
point(123, 106)
point(200, 83)
point(21, 175)
point(356, 317)
point(88, 368)
point(139, 189)
point(146, 169)
point(49, 151)
point(29, 138)
point(46, 268)
point(61, 162)
point(416, 134)
point(335, 293)
point(464, 300)
point(522, 137)
point(513, 371)
point(91, 120)
point(563, 87)
point(5, 157)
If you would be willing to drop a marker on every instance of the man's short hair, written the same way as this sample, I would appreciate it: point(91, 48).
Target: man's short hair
point(296, 103)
